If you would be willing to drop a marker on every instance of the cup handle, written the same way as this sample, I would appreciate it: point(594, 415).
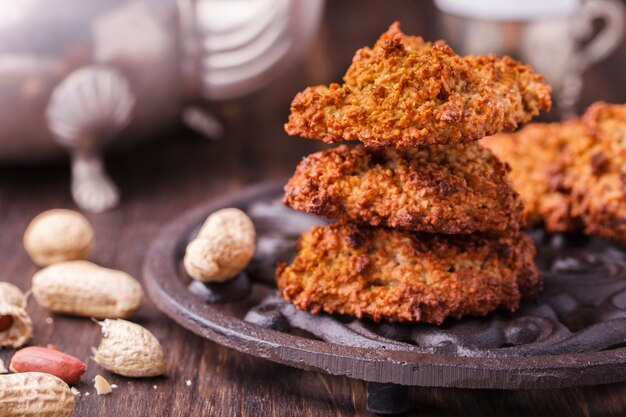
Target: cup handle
point(613, 13)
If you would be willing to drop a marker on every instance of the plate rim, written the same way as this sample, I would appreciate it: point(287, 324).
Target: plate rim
point(160, 274)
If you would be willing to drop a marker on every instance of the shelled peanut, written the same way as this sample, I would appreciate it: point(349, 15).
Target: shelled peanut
point(16, 327)
point(85, 289)
point(34, 394)
point(223, 247)
point(58, 235)
point(51, 361)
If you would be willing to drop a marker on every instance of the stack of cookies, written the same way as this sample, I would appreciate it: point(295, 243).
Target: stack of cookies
point(427, 224)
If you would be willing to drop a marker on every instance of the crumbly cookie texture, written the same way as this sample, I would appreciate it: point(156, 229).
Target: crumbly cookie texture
point(571, 175)
point(598, 172)
point(539, 171)
point(401, 276)
point(438, 189)
point(405, 92)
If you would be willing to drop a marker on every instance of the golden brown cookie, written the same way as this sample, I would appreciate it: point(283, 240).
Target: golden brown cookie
point(538, 161)
point(598, 172)
point(401, 276)
point(439, 189)
point(571, 176)
point(405, 92)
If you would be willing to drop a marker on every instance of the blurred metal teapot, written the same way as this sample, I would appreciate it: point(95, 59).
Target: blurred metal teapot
point(556, 37)
point(76, 75)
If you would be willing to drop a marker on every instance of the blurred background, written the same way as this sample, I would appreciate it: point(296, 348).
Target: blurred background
point(168, 99)
point(142, 109)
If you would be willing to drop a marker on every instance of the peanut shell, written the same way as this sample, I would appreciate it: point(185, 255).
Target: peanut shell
point(101, 385)
point(223, 248)
point(85, 289)
point(34, 394)
point(10, 294)
point(16, 327)
point(129, 349)
point(58, 235)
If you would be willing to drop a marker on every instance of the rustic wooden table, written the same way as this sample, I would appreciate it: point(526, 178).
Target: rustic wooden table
point(161, 179)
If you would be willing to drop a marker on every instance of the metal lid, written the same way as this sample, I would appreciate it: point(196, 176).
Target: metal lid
point(244, 43)
point(515, 10)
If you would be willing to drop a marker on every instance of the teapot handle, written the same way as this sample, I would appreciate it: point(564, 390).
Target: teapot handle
point(613, 14)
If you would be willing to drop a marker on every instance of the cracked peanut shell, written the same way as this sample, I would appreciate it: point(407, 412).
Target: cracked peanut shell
point(129, 349)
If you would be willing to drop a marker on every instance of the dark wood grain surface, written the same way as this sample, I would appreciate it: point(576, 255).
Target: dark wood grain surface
point(162, 178)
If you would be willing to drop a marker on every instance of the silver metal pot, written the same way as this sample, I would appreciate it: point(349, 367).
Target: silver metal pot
point(77, 75)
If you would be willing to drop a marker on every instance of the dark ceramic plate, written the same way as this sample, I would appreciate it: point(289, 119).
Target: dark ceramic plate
point(572, 334)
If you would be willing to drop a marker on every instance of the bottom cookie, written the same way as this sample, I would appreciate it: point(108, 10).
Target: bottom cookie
point(401, 276)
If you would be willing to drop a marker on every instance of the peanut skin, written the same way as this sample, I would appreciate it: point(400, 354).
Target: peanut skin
point(6, 322)
point(50, 361)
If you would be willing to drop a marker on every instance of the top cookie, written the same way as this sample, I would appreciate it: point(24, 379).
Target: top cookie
point(405, 92)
